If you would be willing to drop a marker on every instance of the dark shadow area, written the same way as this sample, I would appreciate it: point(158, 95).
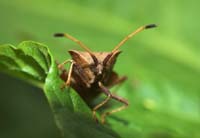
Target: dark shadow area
point(24, 111)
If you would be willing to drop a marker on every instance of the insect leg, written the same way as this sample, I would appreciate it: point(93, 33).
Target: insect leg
point(60, 66)
point(69, 74)
point(106, 91)
point(125, 102)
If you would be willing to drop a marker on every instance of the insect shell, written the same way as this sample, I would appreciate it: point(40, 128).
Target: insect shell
point(91, 73)
point(88, 73)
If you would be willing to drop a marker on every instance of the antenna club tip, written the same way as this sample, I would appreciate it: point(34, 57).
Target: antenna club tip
point(150, 26)
point(59, 34)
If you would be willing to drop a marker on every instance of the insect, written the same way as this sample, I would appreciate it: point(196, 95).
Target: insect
point(91, 73)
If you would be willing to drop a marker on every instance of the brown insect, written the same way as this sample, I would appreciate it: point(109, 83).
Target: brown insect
point(91, 73)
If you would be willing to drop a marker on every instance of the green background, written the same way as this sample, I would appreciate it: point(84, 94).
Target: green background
point(162, 65)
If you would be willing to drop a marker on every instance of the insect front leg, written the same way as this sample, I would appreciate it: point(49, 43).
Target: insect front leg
point(60, 66)
point(110, 95)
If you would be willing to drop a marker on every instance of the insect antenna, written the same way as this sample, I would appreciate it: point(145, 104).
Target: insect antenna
point(132, 34)
point(73, 39)
point(79, 43)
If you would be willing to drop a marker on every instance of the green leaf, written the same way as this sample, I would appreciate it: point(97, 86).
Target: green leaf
point(28, 62)
point(33, 61)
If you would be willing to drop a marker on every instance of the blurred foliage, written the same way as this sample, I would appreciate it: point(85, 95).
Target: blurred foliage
point(162, 65)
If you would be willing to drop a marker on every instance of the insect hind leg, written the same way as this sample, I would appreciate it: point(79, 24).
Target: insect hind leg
point(109, 96)
point(125, 102)
point(100, 105)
